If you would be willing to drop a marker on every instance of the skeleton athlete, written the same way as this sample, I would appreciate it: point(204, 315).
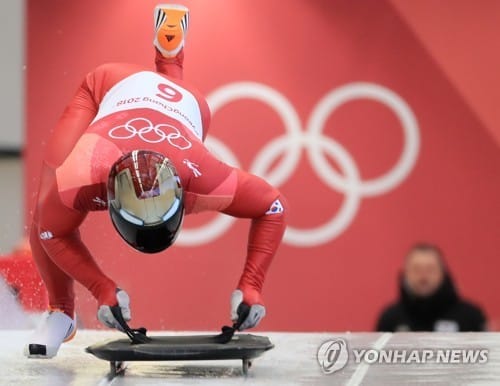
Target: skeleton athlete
point(131, 142)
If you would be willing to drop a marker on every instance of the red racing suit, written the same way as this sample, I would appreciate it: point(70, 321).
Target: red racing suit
point(123, 107)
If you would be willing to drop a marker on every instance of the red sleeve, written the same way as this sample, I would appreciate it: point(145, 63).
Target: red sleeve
point(266, 206)
point(241, 194)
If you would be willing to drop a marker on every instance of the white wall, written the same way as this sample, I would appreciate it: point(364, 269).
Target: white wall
point(11, 73)
point(11, 127)
point(11, 203)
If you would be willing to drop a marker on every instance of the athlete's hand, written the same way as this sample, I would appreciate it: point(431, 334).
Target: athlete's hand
point(105, 314)
point(254, 310)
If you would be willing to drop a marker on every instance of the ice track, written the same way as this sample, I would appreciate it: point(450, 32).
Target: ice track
point(291, 362)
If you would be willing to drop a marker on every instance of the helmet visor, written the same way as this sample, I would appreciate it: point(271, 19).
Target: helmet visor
point(145, 199)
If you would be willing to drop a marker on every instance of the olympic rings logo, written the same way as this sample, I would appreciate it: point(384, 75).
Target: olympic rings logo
point(291, 144)
point(144, 129)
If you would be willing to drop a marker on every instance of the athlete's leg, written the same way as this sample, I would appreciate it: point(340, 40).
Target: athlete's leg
point(59, 285)
point(241, 194)
point(58, 236)
point(171, 25)
point(172, 67)
point(58, 324)
point(61, 258)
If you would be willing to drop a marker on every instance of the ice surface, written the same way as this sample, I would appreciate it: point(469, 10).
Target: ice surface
point(291, 362)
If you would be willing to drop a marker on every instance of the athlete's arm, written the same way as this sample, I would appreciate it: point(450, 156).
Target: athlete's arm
point(241, 194)
point(256, 199)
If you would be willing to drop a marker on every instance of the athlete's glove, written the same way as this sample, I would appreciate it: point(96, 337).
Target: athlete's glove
point(254, 308)
point(105, 313)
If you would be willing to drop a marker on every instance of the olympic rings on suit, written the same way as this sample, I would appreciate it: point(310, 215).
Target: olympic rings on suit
point(149, 133)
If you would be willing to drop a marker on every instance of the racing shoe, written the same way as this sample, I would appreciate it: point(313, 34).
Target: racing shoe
point(171, 25)
point(55, 328)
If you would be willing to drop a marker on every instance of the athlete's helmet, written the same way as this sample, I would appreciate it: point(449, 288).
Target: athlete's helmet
point(145, 200)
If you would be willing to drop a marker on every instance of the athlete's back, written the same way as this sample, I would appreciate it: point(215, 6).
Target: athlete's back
point(136, 110)
point(150, 90)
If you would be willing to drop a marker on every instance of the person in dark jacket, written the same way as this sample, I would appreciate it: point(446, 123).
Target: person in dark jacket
point(428, 298)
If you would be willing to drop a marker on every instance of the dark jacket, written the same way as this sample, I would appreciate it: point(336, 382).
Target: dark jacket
point(442, 311)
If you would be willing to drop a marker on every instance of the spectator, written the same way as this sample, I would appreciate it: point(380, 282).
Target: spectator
point(428, 298)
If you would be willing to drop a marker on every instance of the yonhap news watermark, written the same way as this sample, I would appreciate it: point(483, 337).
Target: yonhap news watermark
point(334, 354)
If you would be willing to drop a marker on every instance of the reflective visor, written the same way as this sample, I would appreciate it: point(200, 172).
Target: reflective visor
point(145, 200)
